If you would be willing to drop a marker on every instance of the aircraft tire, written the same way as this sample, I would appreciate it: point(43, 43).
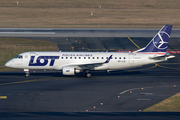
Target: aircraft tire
point(88, 75)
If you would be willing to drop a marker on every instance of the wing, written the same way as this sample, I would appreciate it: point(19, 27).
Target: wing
point(91, 66)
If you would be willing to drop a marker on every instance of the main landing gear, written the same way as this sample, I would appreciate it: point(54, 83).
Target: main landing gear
point(88, 74)
point(27, 72)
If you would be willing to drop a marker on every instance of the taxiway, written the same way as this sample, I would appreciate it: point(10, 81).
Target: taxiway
point(49, 93)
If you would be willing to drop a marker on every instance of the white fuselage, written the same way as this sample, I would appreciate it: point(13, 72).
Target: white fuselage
point(80, 60)
point(75, 62)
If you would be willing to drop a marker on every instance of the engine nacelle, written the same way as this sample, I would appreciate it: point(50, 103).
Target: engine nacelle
point(69, 71)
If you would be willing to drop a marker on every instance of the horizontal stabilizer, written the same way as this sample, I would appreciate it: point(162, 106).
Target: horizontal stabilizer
point(167, 56)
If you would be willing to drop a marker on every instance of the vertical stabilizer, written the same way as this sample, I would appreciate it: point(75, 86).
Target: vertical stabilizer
point(159, 43)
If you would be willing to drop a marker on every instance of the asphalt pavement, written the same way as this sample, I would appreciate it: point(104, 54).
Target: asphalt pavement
point(118, 94)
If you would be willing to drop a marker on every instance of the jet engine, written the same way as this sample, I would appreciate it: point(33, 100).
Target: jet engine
point(70, 71)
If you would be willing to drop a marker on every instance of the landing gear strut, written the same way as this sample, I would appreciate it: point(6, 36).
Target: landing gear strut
point(88, 74)
point(27, 72)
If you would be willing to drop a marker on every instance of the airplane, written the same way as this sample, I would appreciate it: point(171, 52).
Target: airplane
point(71, 63)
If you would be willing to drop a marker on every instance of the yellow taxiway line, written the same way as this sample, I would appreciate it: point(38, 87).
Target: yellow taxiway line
point(3, 97)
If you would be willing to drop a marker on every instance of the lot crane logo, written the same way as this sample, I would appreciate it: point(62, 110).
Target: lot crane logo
point(160, 41)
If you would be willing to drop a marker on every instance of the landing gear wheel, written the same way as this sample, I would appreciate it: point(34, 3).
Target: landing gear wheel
point(88, 75)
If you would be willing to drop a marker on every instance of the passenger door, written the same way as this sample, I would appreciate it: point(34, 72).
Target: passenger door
point(131, 58)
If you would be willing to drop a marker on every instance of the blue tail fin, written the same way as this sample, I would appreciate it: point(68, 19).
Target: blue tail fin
point(160, 41)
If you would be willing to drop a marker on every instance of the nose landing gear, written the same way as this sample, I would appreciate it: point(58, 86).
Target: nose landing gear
point(27, 72)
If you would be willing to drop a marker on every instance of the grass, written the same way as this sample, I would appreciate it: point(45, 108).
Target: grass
point(171, 104)
point(76, 13)
point(11, 47)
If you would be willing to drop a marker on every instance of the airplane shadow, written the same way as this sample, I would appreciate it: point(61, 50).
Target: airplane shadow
point(59, 74)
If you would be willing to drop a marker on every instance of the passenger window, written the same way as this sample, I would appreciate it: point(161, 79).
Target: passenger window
point(84, 57)
point(119, 57)
point(102, 58)
point(61, 57)
point(97, 57)
point(70, 57)
point(106, 57)
point(124, 57)
point(66, 57)
point(79, 57)
point(74, 57)
point(115, 57)
point(93, 57)
point(88, 57)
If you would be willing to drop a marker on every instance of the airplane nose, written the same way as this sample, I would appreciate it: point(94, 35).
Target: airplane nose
point(8, 64)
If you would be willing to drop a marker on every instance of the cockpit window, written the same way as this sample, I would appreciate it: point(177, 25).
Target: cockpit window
point(19, 56)
point(16, 56)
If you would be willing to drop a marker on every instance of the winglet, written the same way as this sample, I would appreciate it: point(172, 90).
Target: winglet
point(107, 61)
